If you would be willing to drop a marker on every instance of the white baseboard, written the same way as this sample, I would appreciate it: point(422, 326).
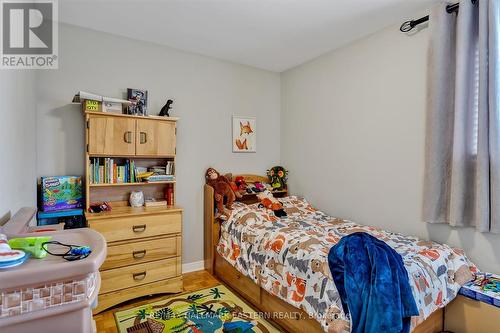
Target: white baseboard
point(193, 266)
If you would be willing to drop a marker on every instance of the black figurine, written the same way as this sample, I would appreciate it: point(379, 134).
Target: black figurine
point(166, 109)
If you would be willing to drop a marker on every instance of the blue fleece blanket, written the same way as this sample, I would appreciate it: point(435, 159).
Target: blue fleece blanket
point(373, 284)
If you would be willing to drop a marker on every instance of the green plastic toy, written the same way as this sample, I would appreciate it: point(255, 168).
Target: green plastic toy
point(31, 245)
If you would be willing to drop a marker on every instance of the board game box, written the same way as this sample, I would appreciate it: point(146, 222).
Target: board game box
point(61, 192)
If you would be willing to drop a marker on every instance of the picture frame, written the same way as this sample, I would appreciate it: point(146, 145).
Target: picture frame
point(139, 102)
point(244, 134)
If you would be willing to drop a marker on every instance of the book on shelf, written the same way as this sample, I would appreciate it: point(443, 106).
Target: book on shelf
point(160, 173)
point(169, 168)
point(159, 178)
point(155, 203)
point(108, 171)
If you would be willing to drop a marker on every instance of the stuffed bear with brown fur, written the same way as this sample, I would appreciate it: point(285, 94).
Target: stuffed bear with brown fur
point(222, 189)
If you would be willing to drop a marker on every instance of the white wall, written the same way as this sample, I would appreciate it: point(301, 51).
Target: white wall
point(17, 146)
point(352, 136)
point(206, 93)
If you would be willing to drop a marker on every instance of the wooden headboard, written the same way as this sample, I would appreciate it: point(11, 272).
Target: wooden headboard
point(212, 225)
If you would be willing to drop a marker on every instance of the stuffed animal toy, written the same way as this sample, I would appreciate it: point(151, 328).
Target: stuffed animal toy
point(268, 201)
point(277, 177)
point(240, 183)
point(257, 187)
point(222, 190)
point(237, 191)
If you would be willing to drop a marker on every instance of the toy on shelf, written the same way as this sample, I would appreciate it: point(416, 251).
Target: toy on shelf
point(100, 207)
point(8, 256)
point(238, 191)
point(277, 177)
point(31, 245)
point(256, 187)
point(61, 192)
point(240, 183)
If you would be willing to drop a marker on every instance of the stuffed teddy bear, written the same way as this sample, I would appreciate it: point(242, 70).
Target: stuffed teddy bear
point(222, 189)
point(268, 201)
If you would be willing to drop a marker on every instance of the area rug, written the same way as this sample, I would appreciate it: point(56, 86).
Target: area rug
point(210, 310)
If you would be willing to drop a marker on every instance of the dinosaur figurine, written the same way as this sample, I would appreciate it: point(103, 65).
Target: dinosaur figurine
point(164, 112)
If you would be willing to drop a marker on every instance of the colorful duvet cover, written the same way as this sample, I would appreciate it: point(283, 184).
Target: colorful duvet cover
point(288, 257)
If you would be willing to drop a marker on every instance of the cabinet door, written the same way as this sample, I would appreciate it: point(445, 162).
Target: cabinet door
point(155, 138)
point(111, 136)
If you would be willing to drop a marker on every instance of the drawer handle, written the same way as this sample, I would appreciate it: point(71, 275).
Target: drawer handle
point(139, 254)
point(139, 276)
point(238, 276)
point(127, 137)
point(143, 137)
point(139, 228)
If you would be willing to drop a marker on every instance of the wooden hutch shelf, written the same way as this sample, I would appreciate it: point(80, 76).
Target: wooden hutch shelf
point(144, 243)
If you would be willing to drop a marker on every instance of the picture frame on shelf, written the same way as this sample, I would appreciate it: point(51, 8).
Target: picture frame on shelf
point(139, 100)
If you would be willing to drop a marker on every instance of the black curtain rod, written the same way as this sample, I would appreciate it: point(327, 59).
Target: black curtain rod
point(409, 25)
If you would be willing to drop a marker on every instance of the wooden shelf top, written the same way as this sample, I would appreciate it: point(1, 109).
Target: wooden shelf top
point(132, 184)
point(127, 211)
point(100, 113)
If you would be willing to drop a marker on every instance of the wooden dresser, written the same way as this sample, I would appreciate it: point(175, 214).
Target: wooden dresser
point(144, 243)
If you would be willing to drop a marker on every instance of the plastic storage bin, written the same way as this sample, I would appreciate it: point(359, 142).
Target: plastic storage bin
point(50, 294)
point(72, 218)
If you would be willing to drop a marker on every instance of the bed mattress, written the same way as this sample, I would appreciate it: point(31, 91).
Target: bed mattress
point(288, 257)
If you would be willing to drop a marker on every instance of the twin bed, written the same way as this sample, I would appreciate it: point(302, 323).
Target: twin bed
point(280, 265)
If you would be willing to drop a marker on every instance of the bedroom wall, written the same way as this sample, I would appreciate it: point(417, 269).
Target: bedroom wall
point(206, 92)
point(352, 136)
point(17, 149)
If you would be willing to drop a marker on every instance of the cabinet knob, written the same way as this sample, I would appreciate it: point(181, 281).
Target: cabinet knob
point(127, 137)
point(139, 228)
point(139, 276)
point(139, 254)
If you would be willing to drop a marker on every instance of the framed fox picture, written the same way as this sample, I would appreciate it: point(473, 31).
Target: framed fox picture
point(244, 135)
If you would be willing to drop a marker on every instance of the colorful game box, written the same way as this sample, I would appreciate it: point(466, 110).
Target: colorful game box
point(61, 192)
point(485, 288)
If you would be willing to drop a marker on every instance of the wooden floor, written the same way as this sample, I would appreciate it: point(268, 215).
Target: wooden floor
point(105, 321)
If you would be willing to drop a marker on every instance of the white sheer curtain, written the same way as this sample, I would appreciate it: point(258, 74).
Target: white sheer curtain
point(462, 168)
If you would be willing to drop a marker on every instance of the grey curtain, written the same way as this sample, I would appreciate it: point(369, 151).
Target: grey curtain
point(462, 164)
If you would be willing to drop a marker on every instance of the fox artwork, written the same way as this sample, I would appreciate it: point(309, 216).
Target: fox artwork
point(244, 134)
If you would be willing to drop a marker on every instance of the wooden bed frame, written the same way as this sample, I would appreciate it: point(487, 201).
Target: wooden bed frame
point(285, 315)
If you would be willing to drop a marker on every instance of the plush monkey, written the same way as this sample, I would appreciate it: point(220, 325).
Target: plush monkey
point(222, 189)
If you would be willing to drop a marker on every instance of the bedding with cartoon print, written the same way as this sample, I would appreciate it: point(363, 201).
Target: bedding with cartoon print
point(288, 257)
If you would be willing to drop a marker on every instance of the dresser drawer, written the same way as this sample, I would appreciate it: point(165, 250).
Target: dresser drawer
point(143, 251)
point(136, 275)
point(135, 227)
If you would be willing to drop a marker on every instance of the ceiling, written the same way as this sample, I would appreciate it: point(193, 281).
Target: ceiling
point(270, 34)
